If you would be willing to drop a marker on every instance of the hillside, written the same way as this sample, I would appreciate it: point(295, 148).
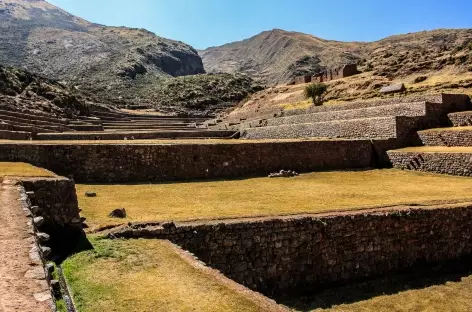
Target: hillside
point(23, 91)
point(276, 56)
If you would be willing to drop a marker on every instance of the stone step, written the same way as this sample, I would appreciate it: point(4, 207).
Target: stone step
point(145, 127)
point(85, 127)
point(458, 136)
point(457, 102)
point(30, 128)
point(15, 135)
point(461, 119)
point(5, 112)
point(144, 135)
point(436, 159)
point(146, 124)
point(404, 109)
point(364, 128)
point(39, 123)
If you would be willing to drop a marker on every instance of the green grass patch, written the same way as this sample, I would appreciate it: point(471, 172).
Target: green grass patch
point(145, 275)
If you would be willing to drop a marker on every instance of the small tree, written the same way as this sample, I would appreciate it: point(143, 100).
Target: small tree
point(316, 91)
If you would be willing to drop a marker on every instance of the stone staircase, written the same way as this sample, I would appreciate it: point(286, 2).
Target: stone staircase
point(444, 150)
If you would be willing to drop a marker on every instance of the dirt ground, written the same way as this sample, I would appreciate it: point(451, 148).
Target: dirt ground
point(18, 286)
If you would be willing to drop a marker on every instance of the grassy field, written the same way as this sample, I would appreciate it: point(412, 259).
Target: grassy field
point(147, 275)
point(22, 170)
point(451, 296)
point(308, 193)
point(437, 149)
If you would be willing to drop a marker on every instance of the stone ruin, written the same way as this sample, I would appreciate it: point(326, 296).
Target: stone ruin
point(329, 74)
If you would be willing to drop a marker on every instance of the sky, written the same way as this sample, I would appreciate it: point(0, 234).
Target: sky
point(206, 23)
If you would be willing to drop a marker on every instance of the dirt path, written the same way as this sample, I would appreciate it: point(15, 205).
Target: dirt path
point(21, 286)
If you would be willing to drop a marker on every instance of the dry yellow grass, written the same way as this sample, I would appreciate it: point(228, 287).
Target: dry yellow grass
point(452, 296)
point(19, 169)
point(308, 193)
point(147, 275)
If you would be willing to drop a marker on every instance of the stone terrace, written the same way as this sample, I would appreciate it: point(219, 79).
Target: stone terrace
point(445, 150)
point(382, 119)
point(111, 125)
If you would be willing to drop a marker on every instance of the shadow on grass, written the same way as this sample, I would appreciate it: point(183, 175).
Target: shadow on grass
point(67, 244)
point(419, 277)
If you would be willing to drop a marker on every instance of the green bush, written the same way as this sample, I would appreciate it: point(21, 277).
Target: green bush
point(316, 91)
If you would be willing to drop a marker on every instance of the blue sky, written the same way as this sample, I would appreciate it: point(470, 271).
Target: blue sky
point(204, 23)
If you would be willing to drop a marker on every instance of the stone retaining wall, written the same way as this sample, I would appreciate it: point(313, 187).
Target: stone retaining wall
point(284, 254)
point(137, 135)
point(446, 163)
point(461, 119)
point(367, 128)
point(410, 109)
point(446, 137)
point(56, 199)
point(15, 135)
point(156, 162)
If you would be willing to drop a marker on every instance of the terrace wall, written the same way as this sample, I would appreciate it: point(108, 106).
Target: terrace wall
point(446, 137)
point(157, 162)
point(446, 163)
point(285, 254)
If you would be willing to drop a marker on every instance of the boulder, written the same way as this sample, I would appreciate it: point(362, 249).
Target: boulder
point(284, 174)
point(118, 213)
point(90, 194)
point(393, 88)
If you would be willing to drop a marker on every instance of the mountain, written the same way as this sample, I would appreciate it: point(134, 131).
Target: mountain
point(276, 56)
point(107, 62)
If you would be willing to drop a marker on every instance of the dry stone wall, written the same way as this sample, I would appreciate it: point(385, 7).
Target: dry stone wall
point(160, 162)
point(367, 128)
point(446, 163)
point(455, 102)
point(283, 254)
point(413, 109)
point(446, 137)
point(134, 135)
point(56, 200)
point(461, 119)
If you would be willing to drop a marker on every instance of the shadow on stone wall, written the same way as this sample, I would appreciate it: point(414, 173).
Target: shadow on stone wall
point(419, 277)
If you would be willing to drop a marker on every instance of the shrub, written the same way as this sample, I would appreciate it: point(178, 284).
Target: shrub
point(316, 91)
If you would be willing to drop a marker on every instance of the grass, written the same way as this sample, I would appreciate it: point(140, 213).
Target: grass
point(450, 296)
point(308, 193)
point(454, 296)
point(19, 169)
point(437, 149)
point(146, 275)
point(444, 286)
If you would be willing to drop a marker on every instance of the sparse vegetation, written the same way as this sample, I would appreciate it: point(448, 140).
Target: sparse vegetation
point(146, 275)
point(22, 170)
point(316, 91)
point(197, 94)
point(313, 193)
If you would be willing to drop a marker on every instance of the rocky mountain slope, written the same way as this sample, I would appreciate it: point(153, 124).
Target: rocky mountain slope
point(277, 56)
point(23, 91)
